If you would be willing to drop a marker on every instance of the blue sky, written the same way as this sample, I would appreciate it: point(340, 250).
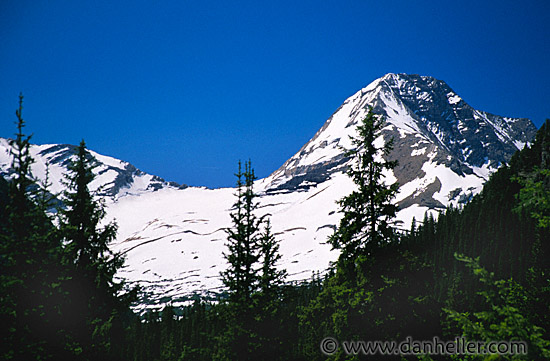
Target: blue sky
point(184, 89)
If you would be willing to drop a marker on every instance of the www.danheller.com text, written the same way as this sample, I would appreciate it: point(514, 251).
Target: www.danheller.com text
point(458, 346)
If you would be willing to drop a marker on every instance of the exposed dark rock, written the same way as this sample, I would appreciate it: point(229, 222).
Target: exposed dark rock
point(446, 131)
point(469, 135)
point(303, 178)
point(424, 197)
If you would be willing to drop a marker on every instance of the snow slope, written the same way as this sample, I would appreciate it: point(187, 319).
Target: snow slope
point(173, 236)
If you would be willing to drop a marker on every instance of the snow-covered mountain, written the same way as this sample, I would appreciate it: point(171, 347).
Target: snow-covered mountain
point(115, 178)
point(173, 236)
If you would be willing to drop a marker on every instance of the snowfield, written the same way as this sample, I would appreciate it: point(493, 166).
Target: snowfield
point(173, 236)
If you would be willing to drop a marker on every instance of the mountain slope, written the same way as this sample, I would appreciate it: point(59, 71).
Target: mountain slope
point(174, 238)
point(115, 178)
point(428, 121)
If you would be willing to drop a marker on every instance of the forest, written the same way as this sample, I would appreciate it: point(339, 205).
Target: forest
point(479, 272)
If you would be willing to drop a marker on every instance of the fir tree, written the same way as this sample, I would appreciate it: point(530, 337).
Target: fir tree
point(94, 294)
point(503, 317)
point(368, 211)
point(22, 161)
point(241, 276)
point(16, 246)
point(271, 330)
point(29, 258)
point(271, 279)
point(45, 200)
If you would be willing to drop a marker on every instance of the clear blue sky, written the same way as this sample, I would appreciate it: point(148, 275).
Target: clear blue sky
point(184, 89)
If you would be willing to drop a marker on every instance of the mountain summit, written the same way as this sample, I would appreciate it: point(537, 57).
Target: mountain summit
point(173, 236)
point(429, 122)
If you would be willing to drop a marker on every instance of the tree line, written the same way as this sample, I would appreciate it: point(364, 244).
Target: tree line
point(478, 272)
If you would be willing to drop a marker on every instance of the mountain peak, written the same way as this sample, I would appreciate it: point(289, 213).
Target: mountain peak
point(418, 109)
point(409, 77)
point(410, 83)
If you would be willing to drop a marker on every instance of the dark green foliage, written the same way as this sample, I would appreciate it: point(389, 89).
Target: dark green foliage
point(503, 315)
point(95, 303)
point(253, 327)
point(502, 228)
point(202, 330)
point(271, 279)
point(368, 211)
point(241, 277)
point(29, 259)
point(269, 296)
point(534, 197)
point(57, 296)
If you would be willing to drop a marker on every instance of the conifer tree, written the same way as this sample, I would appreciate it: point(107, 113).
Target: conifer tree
point(252, 278)
point(504, 316)
point(361, 289)
point(22, 161)
point(368, 211)
point(271, 279)
point(270, 328)
point(534, 196)
point(94, 297)
point(242, 276)
point(16, 251)
point(28, 262)
point(45, 200)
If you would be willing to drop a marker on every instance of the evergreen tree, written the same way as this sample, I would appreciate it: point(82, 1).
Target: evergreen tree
point(242, 276)
point(362, 288)
point(252, 278)
point(271, 279)
point(15, 240)
point(271, 329)
point(368, 211)
point(503, 317)
point(534, 197)
point(45, 200)
point(29, 258)
point(21, 164)
point(95, 300)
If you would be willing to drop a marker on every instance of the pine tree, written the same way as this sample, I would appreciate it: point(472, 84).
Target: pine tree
point(22, 161)
point(361, 290)
point(94, 294)
point(29, 258)
point(242, 274)
point(271, 279)
point(368, 210)
point(45, 200)
point(242, 277)
point(16, 249)
point(503, 315)
point(270, 328)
